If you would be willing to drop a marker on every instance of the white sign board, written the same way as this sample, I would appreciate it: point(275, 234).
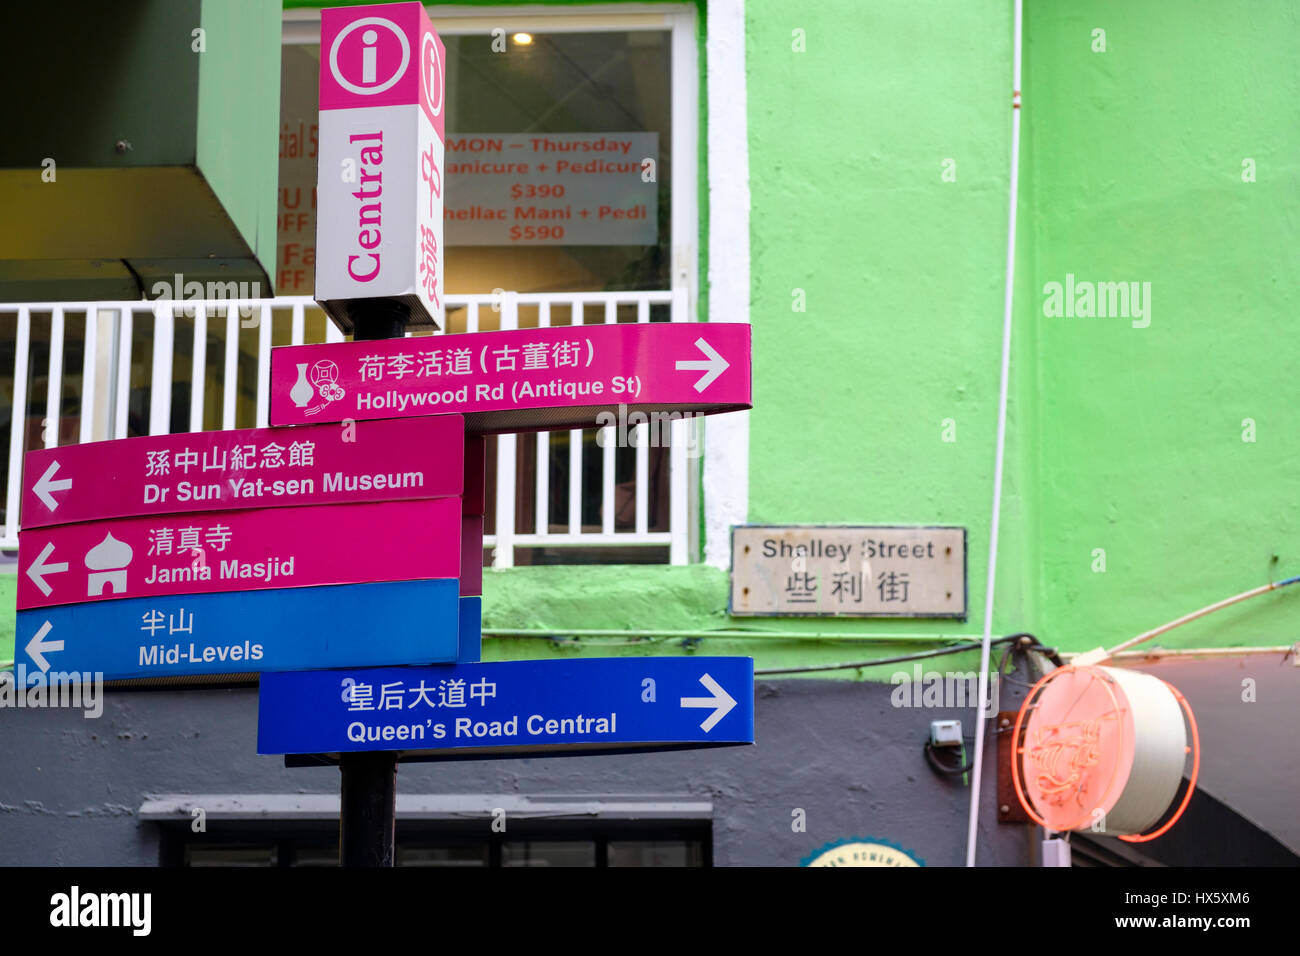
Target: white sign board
point(560, 189)
point(379, 187)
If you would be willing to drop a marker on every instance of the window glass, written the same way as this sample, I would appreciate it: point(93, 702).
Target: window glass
point(655, 853)
point(453, 856)
point(316, 856)
point(230, 856)
point(548, 853)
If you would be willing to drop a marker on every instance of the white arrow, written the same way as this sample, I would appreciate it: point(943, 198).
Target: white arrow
point(39, 569)
point(44, 486)
point(37, 647)
point(714, 365)
point(721, 701)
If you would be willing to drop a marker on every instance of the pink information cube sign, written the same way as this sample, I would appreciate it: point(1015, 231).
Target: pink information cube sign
point(379, 189)
point(561, 377)
point(239, 551)
point(390, 460)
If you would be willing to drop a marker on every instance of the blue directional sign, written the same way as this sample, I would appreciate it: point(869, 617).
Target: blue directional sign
point(511, 708)
point(402, 622)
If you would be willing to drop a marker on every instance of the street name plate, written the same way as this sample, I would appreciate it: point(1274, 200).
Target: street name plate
point(848, 571)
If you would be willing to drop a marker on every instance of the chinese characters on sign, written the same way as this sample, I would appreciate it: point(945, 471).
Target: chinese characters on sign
point(442, 693)
point(240, 458)
point(430, 362)
point(869, 571)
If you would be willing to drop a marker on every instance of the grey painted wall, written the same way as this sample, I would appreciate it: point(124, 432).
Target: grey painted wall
point(70, 787)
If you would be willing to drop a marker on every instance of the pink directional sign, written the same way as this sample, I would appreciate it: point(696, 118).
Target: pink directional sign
point(560, 377)
point(250, 468)
point(239, 551)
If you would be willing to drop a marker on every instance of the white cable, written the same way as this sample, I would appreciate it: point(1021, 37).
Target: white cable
point(991, 579)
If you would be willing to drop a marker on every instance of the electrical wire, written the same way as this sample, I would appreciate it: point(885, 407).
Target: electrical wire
point(550, 633)
point(1025, 642)
point(941, 767)
point(1008, 298)
point(898, 659)
point(1208, 609)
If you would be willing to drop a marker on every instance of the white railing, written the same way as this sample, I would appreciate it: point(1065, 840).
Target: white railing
point(106, 397)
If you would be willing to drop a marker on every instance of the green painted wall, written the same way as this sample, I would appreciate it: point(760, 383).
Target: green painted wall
point(1137, 161)
point(1121, 438)
point(8, 601)
point(662, 611)
point(902, 272)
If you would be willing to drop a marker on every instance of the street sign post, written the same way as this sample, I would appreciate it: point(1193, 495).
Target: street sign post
point(239, 551)
point(379, 185)
point(380, 256)
point(511, 708)
point(246, 468)
point(404, 622)
point(523, 379)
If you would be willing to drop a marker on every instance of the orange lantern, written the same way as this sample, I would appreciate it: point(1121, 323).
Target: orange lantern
point(1103, 749)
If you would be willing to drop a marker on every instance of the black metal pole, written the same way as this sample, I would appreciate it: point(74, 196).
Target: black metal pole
point(368, 781)
point(378, 319)
point(367, 809)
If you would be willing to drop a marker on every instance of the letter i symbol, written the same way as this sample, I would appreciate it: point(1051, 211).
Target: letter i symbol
point(368, 56)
